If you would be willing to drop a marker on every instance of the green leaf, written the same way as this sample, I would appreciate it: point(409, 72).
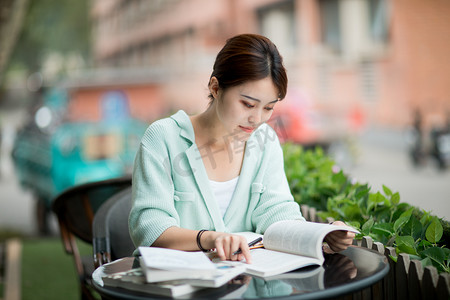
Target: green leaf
point(413, 228)
point(395, 198)
point(367, 226)
point(406, 244)
point(425, 218)
point(403, 219)
point(361, 191)
point(400, 208)
point(425, 244)
point(383, 214)
point(447, 253)
point(426, 262)
point(387, 191)
point(416, 257)
point(437, 254)
point(434, 231)
point(387, 202)
point(339, 178)
point(354, 224)
point(350, 211)
point(385, 229)
point(374, 199)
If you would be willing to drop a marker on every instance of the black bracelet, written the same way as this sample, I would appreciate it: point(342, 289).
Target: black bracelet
point(199, 235)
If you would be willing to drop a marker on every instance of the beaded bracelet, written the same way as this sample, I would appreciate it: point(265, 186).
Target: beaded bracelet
point(199, 235)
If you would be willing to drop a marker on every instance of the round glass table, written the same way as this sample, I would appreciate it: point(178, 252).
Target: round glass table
point(342, 273)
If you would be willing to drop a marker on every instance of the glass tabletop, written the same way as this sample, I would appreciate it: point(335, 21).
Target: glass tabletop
point(342, 273)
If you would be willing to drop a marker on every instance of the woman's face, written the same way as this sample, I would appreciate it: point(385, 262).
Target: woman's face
point(241, 109)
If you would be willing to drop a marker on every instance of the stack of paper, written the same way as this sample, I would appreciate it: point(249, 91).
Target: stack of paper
point(194, 268)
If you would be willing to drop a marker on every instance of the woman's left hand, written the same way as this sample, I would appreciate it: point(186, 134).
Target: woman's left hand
point(339, 240)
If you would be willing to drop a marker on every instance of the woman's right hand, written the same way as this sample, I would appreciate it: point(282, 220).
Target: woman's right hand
point(226, 244)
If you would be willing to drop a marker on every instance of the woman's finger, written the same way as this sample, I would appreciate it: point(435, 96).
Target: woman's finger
point(246, 252)
point(337, 242)
point(220, 249)
point(234, 246)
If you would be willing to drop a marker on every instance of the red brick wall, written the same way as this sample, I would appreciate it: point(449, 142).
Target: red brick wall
point(417, 71)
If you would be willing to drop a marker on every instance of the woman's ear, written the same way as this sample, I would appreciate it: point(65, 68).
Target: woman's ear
point(214, 87)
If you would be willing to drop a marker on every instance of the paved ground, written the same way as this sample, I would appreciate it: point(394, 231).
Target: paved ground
point(16, 206)
point(382, 159)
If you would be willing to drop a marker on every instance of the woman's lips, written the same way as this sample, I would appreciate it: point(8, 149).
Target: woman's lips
point(247, 129)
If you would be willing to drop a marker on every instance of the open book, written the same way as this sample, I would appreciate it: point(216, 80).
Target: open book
point(288, 245)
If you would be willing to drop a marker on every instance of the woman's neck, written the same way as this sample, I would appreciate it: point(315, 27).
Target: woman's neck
point(208, 128)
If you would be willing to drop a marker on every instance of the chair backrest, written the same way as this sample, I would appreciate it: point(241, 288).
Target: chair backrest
point(75, 209)
point(111, 238)
point(76, 206)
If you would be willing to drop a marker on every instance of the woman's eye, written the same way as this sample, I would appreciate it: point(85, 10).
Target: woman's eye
point(248, 105)
point(268, 108)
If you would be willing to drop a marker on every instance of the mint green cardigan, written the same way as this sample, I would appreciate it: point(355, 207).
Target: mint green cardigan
point(171, 186)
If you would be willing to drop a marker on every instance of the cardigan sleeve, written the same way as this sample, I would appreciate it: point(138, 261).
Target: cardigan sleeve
point(276, 202)
point(153, 210)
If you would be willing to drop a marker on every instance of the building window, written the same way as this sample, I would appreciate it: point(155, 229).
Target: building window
point(378, 20)
point(352, 28)
point(330, 24)
point(368, 80)
point(277, 22)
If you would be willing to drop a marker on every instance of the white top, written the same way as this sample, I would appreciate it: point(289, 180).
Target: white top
point(223, 191)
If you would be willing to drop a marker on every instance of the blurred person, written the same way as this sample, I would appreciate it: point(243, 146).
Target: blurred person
point(417, 151)
point(1, 148)
point(197, 179)
point(447, 122)
point(440, 149)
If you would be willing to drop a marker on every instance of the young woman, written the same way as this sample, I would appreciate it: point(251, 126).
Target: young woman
point(197, 179)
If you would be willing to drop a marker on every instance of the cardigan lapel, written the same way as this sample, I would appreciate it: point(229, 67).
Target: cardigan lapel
point(202, 180)
point(198, 170)
point(242, 192)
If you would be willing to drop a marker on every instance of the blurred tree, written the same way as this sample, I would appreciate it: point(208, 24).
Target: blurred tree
point(11, 20)
point(52, 26)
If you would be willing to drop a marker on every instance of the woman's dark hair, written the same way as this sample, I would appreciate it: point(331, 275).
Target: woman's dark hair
point(249, 57)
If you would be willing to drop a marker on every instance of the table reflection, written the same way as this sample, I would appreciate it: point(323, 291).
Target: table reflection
point(337, 269)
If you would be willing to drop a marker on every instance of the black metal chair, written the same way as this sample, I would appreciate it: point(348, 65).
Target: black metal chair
point(75, 209)
point(111, 238)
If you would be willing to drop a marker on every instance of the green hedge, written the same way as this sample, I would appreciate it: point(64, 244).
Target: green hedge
point(316, 181)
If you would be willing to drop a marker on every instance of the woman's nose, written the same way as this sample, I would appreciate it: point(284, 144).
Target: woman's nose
point(254, 118)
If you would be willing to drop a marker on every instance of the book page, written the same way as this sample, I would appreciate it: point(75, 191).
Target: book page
point(169, 259)
point(299, 237)
point(249, 236)
point(267, 263)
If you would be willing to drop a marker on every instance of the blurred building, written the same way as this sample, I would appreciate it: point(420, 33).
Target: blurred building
point(353, 61)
